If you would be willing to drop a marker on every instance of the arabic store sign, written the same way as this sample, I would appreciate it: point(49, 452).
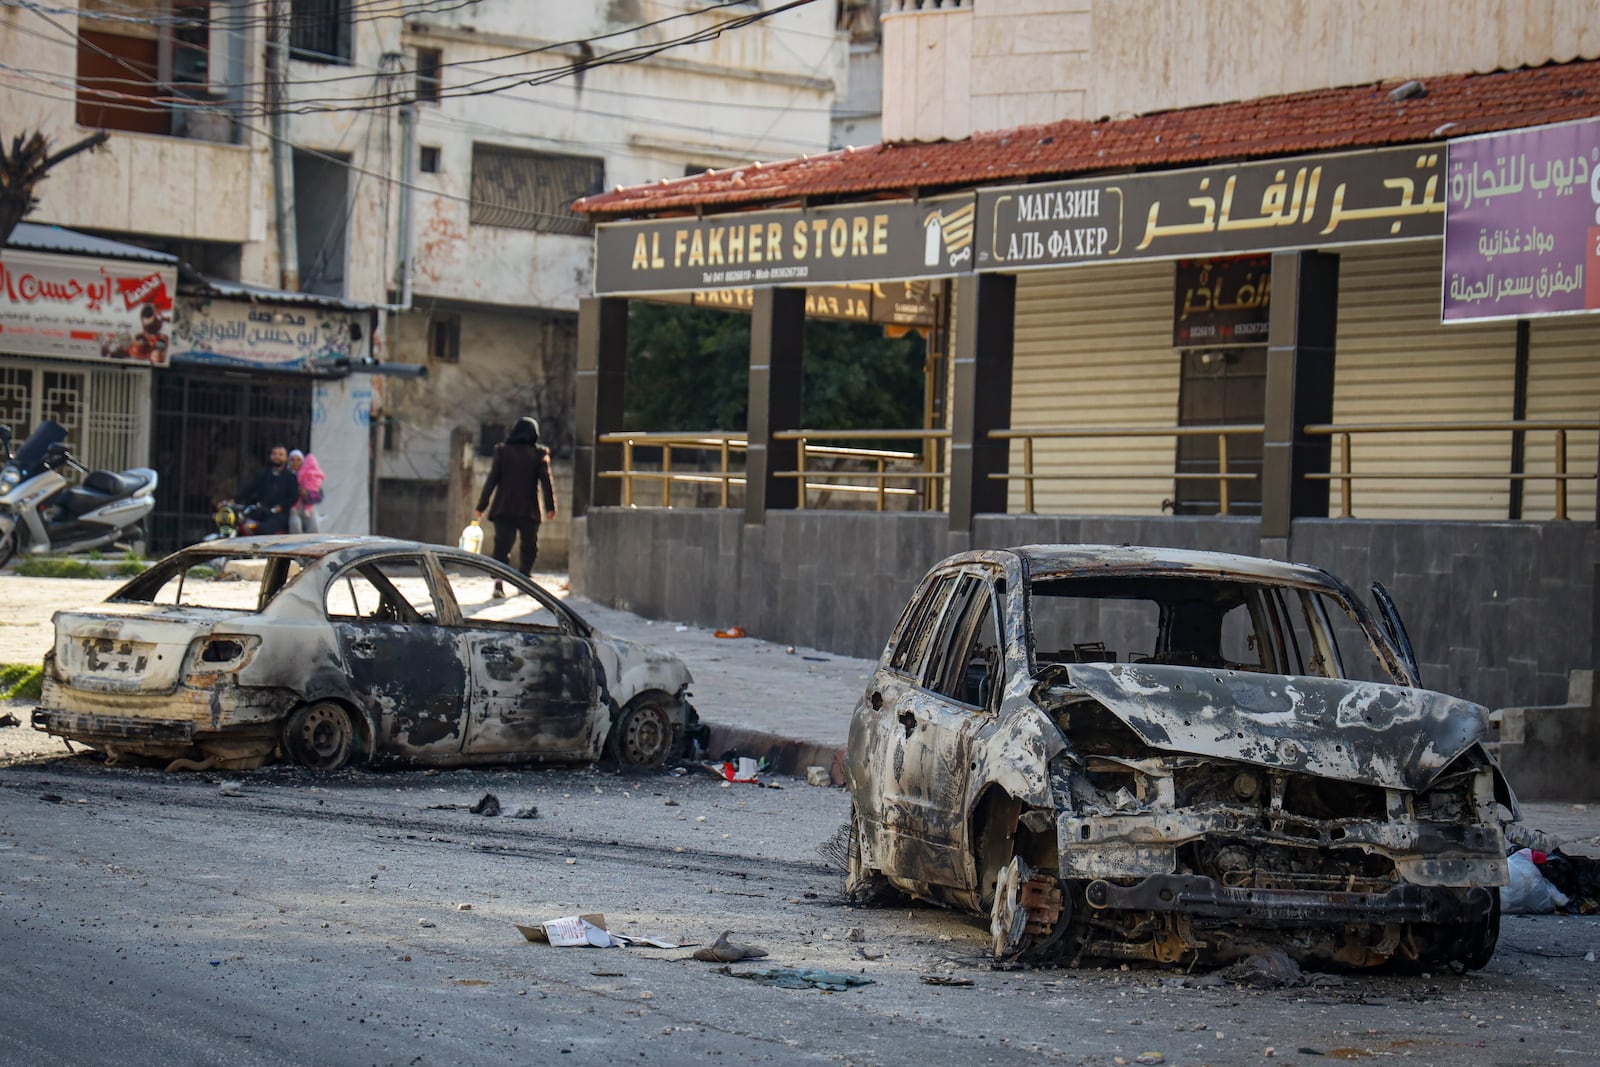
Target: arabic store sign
point(1522, 228)
point(84, 308)
point(888, 240)
point(1308, 202)
point(240, 334)
point(1222, 302)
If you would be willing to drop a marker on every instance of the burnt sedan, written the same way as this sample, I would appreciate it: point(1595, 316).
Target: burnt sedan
point(1171, 756)
point(328, 651)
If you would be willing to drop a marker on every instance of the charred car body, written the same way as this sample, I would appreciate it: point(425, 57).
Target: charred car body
point(334, 650)
point(1172, 756)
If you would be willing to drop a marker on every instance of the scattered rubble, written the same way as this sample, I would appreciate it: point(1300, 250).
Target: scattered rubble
point(723, 950)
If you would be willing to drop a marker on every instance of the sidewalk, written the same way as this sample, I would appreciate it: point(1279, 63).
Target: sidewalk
point(758, 698)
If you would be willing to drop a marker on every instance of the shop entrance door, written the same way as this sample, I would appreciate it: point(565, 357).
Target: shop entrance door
point(212, 432)
point(1221, 386)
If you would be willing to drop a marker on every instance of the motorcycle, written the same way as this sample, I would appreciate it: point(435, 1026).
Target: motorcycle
point(236, 520)
point(40, 512)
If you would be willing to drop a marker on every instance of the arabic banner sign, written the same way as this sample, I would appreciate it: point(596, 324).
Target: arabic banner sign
point(1308, 202)
point(84, 308)
point(1522, 230)
point(890, 303)
point(236, 333)
point(884, 241)
point(1222, 302)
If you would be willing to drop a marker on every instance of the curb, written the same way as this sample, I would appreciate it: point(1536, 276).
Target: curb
point(785, 755)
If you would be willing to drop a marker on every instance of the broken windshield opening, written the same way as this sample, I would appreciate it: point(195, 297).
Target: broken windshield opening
point(1195, 622)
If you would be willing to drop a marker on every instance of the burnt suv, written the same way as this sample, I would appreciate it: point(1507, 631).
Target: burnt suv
point(1171, 756)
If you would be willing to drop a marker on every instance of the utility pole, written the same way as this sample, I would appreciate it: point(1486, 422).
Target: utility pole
point(24, 166)
point(283, 151)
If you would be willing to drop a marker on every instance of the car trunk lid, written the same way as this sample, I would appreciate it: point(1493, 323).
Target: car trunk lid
point(129, 649)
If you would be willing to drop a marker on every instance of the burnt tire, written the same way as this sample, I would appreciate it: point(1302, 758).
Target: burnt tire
point(320, 736)
point(642, 736)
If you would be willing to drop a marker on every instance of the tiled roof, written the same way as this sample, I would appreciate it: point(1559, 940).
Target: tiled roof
point(1324, 120)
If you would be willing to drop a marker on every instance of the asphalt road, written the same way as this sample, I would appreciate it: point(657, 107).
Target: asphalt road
point(150, 919)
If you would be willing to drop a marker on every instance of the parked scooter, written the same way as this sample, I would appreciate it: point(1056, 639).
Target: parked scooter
point(40, 513)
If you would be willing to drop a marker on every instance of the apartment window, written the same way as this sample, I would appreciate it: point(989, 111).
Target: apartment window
point(320, 30)
point(429, 62)
point(444, 338)
point(532, 190)
point(145, 66)
point(428, 160)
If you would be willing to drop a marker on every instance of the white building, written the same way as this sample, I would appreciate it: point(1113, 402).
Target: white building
point(520, 107)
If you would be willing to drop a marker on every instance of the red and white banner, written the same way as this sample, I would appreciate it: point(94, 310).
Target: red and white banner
point(84, 308)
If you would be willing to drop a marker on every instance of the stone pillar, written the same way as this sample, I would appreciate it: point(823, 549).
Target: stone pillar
point(601, 377)
point(985, 326)
point(777, 372)
point(1300, 337)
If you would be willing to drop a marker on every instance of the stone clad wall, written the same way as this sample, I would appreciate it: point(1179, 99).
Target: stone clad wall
point(1499, 612)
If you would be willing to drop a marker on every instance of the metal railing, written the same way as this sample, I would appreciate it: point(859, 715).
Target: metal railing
point(1222, 476)
point(725, 475)
point(880, 458)
point(1345, 475)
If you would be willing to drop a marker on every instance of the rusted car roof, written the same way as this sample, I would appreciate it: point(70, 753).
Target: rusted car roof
point(307, 546)
point(1069, 561)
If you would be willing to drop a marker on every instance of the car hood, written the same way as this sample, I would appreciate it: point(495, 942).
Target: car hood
point(1381, 735)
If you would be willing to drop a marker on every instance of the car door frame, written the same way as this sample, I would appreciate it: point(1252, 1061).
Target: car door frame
point(498, 712)
point(423, 652)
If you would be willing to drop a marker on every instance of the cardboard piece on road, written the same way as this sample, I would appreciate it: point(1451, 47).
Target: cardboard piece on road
point(578, 931)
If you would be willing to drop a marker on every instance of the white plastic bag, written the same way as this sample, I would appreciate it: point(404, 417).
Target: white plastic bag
point(1528, 892)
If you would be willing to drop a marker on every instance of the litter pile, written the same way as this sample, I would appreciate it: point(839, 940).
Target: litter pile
point(1546, 882)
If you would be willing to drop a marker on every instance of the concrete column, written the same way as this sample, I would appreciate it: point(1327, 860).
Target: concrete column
point(777, 373)
point(1300, 337)
point(601, 377)
point(985, 327)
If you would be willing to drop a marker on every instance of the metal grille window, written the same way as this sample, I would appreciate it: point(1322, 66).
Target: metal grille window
point(444, 338)
point(320, 30)
point(532, 190)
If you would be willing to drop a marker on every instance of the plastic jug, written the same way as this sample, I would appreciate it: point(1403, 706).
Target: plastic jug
point(471, 537)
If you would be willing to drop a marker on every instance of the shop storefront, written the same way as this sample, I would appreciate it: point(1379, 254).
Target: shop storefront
point(253, 368)
point(84, 324)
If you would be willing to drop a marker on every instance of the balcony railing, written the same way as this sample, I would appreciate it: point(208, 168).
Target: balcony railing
point(725, 467)
point(1346, 475)
point(1223, 476)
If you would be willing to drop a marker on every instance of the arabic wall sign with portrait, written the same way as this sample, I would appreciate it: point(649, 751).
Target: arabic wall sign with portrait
point(236, 333)
point(1522, 225)
point(1306, 202)
point(84, 308)
point(888, 240)
point(1222, 302)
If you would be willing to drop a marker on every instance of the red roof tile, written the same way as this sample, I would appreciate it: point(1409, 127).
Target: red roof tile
point(1324, 120)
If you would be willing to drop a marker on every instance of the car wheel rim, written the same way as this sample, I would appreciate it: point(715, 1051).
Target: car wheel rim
point(646, 736)
point(323, 737)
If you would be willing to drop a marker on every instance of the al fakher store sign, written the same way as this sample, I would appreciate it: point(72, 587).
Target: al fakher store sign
point(883, 241)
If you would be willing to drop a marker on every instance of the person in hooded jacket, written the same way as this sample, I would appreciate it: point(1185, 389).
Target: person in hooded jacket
point(520, 472)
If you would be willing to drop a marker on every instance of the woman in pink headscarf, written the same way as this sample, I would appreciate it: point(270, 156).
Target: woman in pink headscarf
point(303, 516)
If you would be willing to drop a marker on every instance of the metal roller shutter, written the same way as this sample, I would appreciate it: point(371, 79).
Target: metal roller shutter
point(1094, 348)
point(1396, 363)
point(1563, 384)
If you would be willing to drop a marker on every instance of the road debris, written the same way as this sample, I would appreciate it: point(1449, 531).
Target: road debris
point(489, 805)
point(855, 933)
point(945, 979)
point(527, 811)
point(791, 978)
point(818, 776)
point(231, 789)
point(577, 931)
point(723, 950)
point(733, 632)
point(1275, 970)
point(9, 719)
